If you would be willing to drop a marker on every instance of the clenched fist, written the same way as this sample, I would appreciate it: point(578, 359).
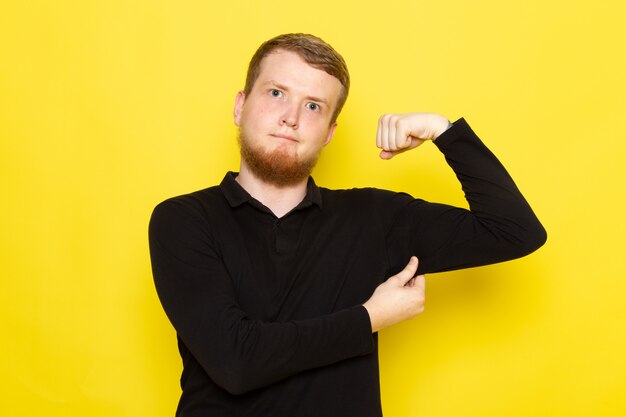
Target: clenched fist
point(398, 133)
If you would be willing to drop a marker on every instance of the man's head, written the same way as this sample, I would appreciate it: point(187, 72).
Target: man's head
point(314, 51)
point(287, 111)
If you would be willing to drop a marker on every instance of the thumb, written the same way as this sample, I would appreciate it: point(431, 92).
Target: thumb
point(390, 154)
point(412, 143)
point(408, 272)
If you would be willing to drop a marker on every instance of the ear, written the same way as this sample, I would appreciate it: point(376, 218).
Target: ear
point(240, 98)
point(331, 132)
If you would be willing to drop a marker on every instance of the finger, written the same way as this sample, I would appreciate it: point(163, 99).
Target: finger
point(393, 145)
point(379, 143)
point(408, 272)
point(384, 133)
point(403, 135)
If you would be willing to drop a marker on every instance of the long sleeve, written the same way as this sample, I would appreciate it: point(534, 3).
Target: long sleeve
point(499, 226)
point(200, 298)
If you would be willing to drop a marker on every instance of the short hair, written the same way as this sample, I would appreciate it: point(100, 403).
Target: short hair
point(314, 51)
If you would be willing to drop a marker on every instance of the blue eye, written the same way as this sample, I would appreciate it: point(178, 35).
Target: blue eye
point(313, 106)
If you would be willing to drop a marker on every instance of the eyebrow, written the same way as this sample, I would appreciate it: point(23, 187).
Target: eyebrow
point(284, 87)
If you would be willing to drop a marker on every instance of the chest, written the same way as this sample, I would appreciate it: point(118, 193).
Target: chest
point(304, 265)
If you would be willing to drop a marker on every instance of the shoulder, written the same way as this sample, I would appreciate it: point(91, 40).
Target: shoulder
point(195, 207)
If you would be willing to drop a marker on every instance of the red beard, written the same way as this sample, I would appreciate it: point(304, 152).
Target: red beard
point(279, 167)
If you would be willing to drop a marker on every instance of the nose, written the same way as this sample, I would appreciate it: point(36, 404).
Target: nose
point(290, 116)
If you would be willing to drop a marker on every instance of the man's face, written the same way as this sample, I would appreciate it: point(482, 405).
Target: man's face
point(285, 121)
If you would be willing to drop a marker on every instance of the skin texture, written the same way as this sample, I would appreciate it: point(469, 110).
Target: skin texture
point(285, 122)
point(398, 133)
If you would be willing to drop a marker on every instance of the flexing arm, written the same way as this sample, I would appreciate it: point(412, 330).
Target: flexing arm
point(500, 224)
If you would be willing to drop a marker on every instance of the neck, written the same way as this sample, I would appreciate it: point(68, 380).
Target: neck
point(280, 200)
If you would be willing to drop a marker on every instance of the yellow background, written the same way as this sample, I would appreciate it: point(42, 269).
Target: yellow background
point(108, 107)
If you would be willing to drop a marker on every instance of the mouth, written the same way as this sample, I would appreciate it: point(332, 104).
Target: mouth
point(285, 137)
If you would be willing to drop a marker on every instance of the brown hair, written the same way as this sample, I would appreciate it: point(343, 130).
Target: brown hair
point(314, 51)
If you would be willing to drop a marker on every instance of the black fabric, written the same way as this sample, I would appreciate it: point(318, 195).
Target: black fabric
point(269, 310)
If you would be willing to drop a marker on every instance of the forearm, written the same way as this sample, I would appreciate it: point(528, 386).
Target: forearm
point(241, 354)
point(493, 197)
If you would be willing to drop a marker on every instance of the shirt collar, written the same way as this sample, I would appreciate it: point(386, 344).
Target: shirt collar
point(236, 195)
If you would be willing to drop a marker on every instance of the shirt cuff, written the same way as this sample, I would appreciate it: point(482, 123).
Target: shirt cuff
point(363, 329)
point(459, 129)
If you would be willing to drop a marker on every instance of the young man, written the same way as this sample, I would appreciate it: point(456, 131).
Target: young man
point(277, 287)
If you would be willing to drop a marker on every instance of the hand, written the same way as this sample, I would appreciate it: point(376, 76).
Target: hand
point(398, 133)
point(399, 298)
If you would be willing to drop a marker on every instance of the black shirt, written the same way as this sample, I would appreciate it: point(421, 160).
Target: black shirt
point(269, 310)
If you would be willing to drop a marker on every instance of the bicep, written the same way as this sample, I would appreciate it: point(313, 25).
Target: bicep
point(446, 238)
